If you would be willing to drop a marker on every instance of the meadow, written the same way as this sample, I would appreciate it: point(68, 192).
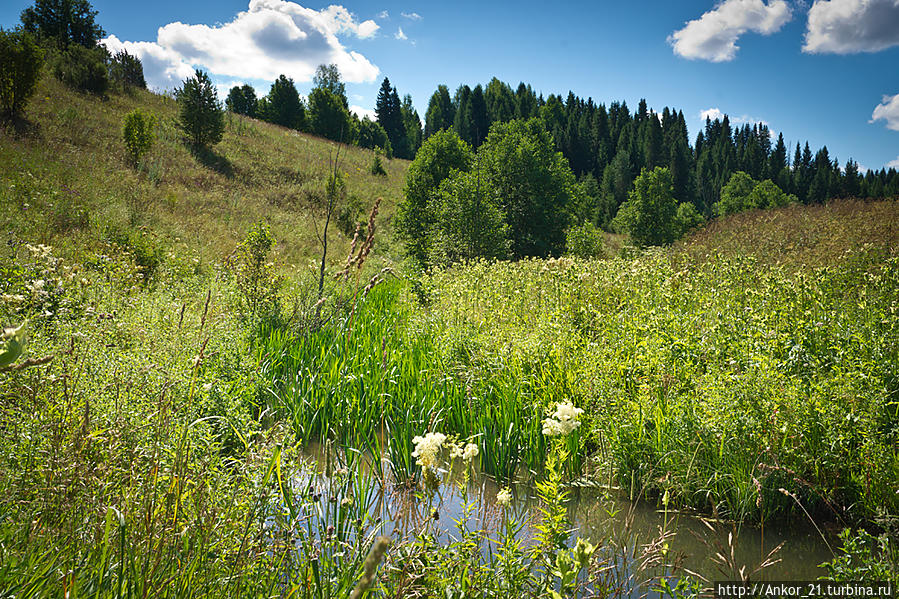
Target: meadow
point(188, 421)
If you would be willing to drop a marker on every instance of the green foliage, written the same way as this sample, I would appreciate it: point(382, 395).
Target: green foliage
point(688, 218)
point(768, 195)
point(650, 213)
point(83, 69)
point(468, 221)
point(372, 135)
point(534, 184)
point(242, 100)
point(441, 154)
point(283, 106)
point(201, 117)
point(127, 70)
point(143, 250)
point(257, 284)
point(864, 557)
point(377, 166)
point(327, 78)
point(328, 117)
point(20, 66)
point(743, 193)
point(584, 241)
point(65, 22)
point(138, 133)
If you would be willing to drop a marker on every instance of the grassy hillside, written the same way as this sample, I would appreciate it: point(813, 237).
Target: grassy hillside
point(65, 176)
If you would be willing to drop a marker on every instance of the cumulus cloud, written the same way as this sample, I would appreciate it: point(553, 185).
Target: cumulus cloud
point(714, 35)
point(848, 26)
point(888, 110)
point(412, 16)
point(399, 34)
point(270, 38)
point(711, 113)
point(893, 163)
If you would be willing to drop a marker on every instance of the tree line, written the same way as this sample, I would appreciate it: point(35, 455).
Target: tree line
point(607, 147)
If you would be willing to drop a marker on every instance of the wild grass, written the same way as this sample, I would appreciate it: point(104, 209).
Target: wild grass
point(70, 177)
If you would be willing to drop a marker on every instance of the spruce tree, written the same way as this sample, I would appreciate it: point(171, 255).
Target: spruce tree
point(201, 116)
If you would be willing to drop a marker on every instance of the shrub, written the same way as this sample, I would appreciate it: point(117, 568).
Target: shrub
point(688, 218)
point(83, 69)
point(20, 65)
point(138, 134)
point(584, 241)
point(201, 118)
point(256, 283)
point(377, 167)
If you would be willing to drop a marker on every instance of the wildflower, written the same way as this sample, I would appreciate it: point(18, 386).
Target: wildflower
point(470, 453)
point(427, 449)
point(504, 497)
point(207, 387)
point(456, 451)
point(13, 298)
point(563, 421)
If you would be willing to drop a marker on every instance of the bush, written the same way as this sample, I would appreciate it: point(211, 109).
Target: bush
point(83, 69)
point(20, 65)
point(584, 241)
point(377, 167)
point(137, 133)
point(257, 285)
point(688, 218)
point(202, 118)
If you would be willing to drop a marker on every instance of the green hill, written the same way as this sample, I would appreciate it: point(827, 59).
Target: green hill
point(64, 175)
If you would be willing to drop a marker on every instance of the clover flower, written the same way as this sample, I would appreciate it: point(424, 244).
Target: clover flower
point(427, 449)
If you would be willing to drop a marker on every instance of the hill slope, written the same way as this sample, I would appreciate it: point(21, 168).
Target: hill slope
point(67, 176)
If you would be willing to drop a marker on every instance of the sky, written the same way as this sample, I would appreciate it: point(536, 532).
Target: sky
point(825, 71)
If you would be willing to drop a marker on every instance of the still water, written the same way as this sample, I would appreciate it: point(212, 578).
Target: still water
point(605, 517)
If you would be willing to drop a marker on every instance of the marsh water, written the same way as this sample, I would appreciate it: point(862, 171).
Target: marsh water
point(604, 516)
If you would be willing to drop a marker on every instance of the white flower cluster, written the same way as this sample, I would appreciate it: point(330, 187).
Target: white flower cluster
point(563, 421)
point(40, 250)
point(468, 452)
point(427, 449)
point(504, 497)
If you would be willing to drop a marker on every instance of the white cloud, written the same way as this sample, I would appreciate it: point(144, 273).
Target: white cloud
point(363, 112)
point(383, 15)
point(893, 163)
point(888, 110)
point(711, 113)
point(270, 38)
point(163, 68)
point(399, 34)
point(412, 16)
point(847, 26)
point(713, 36)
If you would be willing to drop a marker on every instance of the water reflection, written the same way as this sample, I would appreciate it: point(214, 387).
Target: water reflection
point(599, 515)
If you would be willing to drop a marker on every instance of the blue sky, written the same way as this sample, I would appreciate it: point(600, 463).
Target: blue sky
point(825, 71)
